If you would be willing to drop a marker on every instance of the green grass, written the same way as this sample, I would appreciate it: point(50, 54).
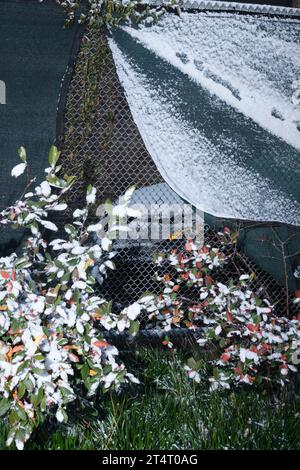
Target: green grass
point(168, 412)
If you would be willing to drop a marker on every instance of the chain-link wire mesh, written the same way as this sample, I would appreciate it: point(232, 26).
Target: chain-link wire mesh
point(102, 146)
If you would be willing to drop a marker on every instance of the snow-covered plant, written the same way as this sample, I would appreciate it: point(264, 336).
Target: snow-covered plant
point(51, 345)
point(187, 272)
point(112, 12)
point(253, 344)
point(250, 343)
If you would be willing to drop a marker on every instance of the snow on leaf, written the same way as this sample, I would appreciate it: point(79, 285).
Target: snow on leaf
point(60, 416)
point(59, 207)
point(133, 311)
point(18, 170)
point(218, 330)
point(91, 195)
point(128, 194)
point(45, 188)
point(106, 244)
point(49, 225)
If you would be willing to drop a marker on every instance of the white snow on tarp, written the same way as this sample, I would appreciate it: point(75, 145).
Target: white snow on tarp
point(212, 97)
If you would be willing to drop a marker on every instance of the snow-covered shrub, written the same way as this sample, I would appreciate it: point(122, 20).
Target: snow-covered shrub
point(250, 343)
point(185, 274)
point(253, 344)
point(51, 345)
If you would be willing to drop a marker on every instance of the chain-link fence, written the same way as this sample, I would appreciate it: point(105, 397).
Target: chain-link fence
point(102, 146)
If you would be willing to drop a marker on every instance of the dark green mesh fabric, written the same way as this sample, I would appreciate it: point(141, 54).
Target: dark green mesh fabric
point(34, 53)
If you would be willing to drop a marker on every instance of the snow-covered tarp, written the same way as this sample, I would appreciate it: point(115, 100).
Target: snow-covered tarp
point(212, 96)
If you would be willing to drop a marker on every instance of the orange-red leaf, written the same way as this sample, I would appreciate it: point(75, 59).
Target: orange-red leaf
point(165, 311)
point(4, 274)
point(225, 357)
point(229, 315)
point(175, 319)
point(18, 348)
point(101, 344)
point(70, 346)
point(252, 327)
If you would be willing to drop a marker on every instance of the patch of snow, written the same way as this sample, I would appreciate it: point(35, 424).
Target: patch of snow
point(258, 60)
point(211, 96)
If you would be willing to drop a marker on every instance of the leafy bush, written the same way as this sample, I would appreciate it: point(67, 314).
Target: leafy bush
point(51, 346)
point(250, 343)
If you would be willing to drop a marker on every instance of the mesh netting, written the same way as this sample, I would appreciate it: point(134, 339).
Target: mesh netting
point(102, 146)
point(102, 143)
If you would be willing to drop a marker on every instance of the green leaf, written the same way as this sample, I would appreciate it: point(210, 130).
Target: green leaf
point(108, 207)
point(21, 389)
point(23, 265)
point(37, 398)
point(107, 369)
point(44, 404)
point(106, 309)
point(53, 156)
point(85, 371)
point(38, 357)
point(13, 418)
point(89, 189)
point(134, 327)
point(21, 413)
point(22, 154)
point(71, 230)
point(23, 365)
point(193, 364)
point(4, 406)
point(64, 415)
point(69, 179)
point(29, 385)
point(65, 277)
point(55, 181)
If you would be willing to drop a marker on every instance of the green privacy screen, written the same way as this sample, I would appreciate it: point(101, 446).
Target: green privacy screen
point(35, 51)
